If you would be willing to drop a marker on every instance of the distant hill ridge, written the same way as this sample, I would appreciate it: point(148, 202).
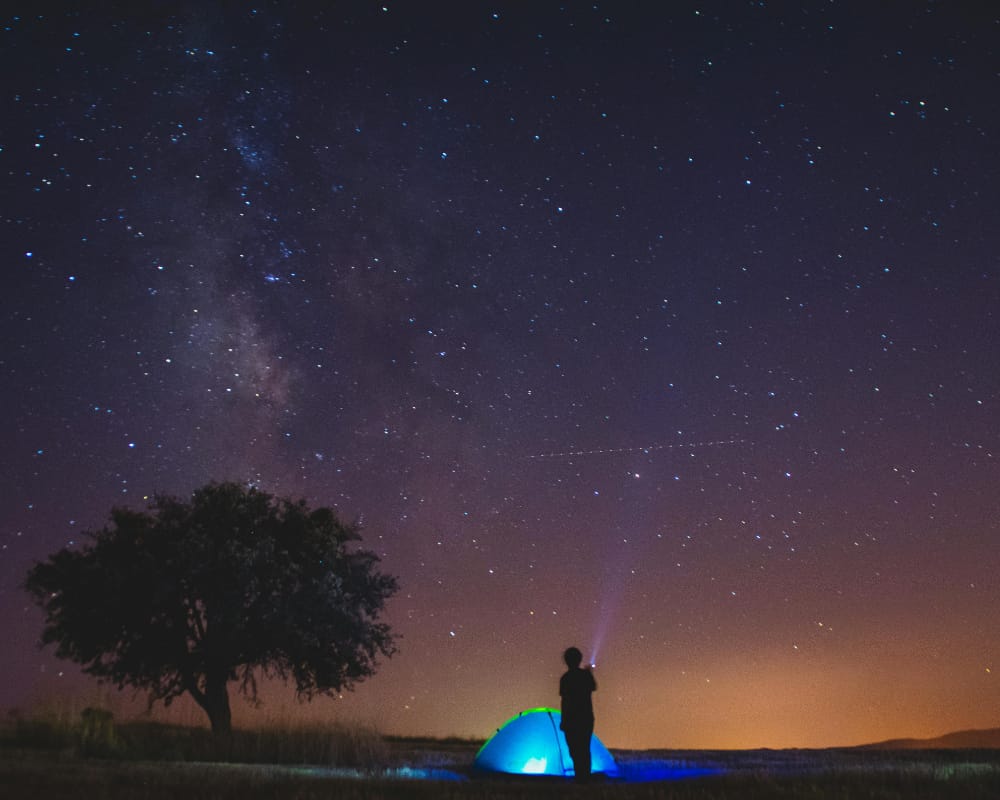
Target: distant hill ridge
point(959, 740)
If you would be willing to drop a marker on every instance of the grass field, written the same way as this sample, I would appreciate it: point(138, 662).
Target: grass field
point(94, 758)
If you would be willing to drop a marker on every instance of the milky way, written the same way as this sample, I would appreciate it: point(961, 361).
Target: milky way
point(670, 333)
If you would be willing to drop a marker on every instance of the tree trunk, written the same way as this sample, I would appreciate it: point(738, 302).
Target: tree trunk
point(216, 705)
point(215, 702)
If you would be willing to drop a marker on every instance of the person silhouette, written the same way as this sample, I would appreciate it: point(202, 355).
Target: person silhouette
point(575, 688)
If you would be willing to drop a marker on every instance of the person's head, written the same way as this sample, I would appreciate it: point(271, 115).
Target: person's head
point(572, 657)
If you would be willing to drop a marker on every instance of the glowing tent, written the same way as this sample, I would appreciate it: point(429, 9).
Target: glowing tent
point(532, 744)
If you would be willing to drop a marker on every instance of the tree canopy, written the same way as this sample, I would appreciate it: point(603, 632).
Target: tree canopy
point(230, 585)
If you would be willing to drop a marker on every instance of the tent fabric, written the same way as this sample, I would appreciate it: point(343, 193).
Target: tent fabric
point(531, 743)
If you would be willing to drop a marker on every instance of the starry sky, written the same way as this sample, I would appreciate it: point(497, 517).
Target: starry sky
point(666, 330)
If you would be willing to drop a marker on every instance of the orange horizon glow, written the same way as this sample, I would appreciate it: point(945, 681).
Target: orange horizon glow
point(775, 702)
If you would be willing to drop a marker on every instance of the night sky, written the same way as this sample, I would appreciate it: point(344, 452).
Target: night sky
point(669, 330)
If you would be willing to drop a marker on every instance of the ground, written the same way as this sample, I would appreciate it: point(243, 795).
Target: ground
point(443, 770)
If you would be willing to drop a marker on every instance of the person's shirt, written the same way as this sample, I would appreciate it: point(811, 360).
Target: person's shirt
point(575, 688)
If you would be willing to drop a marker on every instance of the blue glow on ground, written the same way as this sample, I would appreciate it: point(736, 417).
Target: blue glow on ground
point(657, 770)
point(396, 773)
point(637, 772)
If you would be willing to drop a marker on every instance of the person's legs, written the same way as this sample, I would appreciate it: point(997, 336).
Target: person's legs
point(585, 766)
point(578, 742)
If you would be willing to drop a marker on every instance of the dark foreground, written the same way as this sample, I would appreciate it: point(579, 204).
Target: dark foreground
point(434, 772)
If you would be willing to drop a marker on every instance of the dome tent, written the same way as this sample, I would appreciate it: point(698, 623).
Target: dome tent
point(531, 743)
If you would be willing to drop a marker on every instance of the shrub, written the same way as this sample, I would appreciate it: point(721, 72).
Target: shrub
point(96, 735)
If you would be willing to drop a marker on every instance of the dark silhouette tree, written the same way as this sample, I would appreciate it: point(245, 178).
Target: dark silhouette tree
point(234, 584)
